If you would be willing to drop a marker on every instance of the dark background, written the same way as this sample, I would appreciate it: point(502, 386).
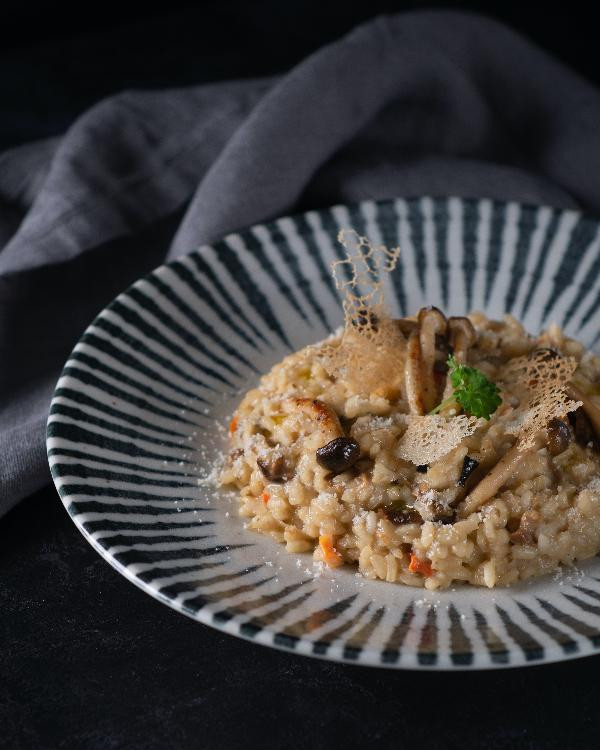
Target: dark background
point(53, 65)
point(89, 661)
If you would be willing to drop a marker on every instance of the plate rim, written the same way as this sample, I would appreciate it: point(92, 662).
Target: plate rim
point(369, 655)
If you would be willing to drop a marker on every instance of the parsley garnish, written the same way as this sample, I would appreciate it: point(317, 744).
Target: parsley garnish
point(477, 395)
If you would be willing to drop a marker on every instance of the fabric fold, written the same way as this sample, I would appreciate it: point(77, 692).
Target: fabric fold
point(427, 103)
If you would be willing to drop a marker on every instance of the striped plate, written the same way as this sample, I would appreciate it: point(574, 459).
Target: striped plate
point(137, 421)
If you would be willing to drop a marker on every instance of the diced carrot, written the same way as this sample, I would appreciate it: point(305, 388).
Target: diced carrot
point(331, 556)
point(265, 497)
point(233, 424)
point(420, 566)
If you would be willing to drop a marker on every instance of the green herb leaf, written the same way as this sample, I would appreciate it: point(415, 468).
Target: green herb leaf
point(477, 395)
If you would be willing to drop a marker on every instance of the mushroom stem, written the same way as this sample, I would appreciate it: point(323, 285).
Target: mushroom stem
point(413, 374)
point(431, 322)
point(499, 475)
point(462, 337)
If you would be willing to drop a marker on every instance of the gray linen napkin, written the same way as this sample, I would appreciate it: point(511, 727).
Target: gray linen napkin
point(429, 103)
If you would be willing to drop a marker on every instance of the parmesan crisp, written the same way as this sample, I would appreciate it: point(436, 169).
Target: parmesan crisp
point(429, 438)
point(544, 375)
point(371, 351)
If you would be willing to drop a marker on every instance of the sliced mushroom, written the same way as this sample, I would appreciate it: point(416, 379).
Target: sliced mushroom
point(462, 337)
point(413, 370)
point(556, 437)
point(319, 424)
point(499, 475)
point(431, 323)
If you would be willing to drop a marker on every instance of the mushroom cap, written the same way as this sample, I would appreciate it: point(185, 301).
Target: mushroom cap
point(429, 315)
point(460, 325)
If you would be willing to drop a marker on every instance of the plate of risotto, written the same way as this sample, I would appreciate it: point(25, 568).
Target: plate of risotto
point(369, 434)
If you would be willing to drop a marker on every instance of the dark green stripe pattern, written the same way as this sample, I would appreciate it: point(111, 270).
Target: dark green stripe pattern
point(140, 415)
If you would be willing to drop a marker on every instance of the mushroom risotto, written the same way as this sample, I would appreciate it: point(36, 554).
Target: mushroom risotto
point(424, 450)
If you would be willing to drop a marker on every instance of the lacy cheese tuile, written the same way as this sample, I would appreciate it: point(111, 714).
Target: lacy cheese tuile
point(544, 375)
point(372, 347)
point(429, 438)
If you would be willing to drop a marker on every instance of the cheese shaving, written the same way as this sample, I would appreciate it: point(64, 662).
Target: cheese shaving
point(544, 375)
point(370, 353)
point(429, 438)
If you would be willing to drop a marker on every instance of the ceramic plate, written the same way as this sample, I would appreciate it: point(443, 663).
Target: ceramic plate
point(138, 416)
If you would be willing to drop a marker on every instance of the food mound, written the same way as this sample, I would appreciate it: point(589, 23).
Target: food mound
point(425, 450)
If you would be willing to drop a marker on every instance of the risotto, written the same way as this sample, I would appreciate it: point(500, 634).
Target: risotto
point(389, 471)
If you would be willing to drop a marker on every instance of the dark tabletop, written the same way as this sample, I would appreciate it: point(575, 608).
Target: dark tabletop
point(89, 661)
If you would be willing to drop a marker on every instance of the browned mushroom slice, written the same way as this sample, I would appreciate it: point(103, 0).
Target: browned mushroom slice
point(462, 336)
point(406, 326)
point(499, 475)
point(324, 417)
point(432, 322)
point(413, 370)
point(316, 421)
